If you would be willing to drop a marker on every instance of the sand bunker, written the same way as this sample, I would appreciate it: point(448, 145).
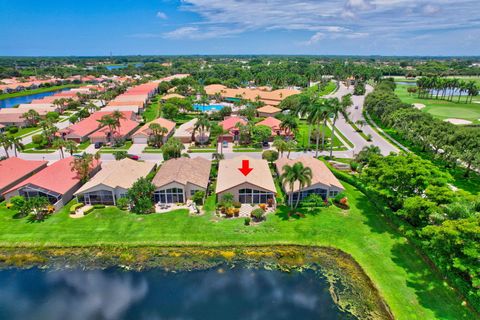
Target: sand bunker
point(419, 105)
point(458, 121)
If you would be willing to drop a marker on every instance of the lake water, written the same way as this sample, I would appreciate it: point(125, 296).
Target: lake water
point(11, 102)
point(455, 92)
point(121, 66)
point(208, 294)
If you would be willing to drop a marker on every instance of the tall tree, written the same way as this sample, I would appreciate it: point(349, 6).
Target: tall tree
point(296, 173)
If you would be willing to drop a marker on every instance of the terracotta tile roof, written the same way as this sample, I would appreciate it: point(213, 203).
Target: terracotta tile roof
point(57, 177)
point(269, 97)
point(145, 130)
point(126, 127)
point(229, 176)
point(271, 122)
point(183, 171)
point(121, 174)
point(172, 95)
point(89, 124)
point(13, 169)
point(230, 122)
point(269, 109)
point(320, 172)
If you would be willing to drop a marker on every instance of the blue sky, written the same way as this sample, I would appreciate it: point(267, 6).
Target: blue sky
point(347, 27)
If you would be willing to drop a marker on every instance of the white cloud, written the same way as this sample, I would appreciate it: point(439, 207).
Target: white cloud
point(315, 38)
point(349, 19)
point(161, 15)
point(430, 9)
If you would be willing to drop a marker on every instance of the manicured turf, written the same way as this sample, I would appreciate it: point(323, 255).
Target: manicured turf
point(125, 147)
point(443, 109)
point(302, 137)
point(23, 131)
point(402, 277)
point(152, 111)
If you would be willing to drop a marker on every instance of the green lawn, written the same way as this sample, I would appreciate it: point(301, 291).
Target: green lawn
point(152, 111)
point(442, 109)
point(23, 131)
point(302, 137)
point(40, 90)
point(84, 145)
point(125, 147)
point(406, 282)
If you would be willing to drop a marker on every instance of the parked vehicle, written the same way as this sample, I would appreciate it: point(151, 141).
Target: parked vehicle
point(225, 144)
point(98, 145)
point(133, 157)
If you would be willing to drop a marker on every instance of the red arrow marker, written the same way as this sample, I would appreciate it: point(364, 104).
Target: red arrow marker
point(245, 169)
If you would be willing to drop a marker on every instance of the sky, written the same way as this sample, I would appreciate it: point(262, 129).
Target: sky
point(186, 27)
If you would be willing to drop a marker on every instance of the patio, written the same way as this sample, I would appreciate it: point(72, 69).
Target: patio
point(167, 207)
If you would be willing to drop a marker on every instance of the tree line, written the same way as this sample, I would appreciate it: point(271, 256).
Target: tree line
point(444, 222)
point(455, 145)
point(446, 88)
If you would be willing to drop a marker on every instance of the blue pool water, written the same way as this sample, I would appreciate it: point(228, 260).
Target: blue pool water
point(11, 102)
point(211, 107)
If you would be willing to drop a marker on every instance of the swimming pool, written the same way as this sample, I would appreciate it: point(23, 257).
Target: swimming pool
point(210, 107)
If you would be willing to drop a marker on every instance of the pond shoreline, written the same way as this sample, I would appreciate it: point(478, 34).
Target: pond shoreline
point(350, 287)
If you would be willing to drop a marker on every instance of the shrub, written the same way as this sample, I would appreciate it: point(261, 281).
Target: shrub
point(354, 165)
point(88, 210)
point(236, 204)
point(13, 129)
point(37, 139)
point(98, 206)
point(247, 221)
point(74, 207)
point(198, 197)
point(9, 205)
point(257, 214)
point(236, 212)
point(122, 203)
point(369, 137)
point(263, 206)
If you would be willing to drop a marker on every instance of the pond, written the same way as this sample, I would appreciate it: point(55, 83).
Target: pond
point(11, 102)
point(215, 293)
point(111, 67)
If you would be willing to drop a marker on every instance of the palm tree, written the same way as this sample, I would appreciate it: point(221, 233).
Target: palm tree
point(280, 145)
point(158, 133)
point(5, 143)
point(71, 146)
point(338, 108)
point(217, 156)
point(16, 143)
point(292, 174)
point(289, 125)
point(110, 122)
point(59, 144)
point(202, 125)
point(32, 117)
point(318, 116)
point(83, 165)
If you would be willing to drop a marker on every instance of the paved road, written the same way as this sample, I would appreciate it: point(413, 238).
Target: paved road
point(357, 114)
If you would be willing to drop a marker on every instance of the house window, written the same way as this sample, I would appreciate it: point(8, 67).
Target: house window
point(333, 193)
point(171, 195)
point(31, 192)
point(99, 197)
point(192, 192)
point(319, 191)
point(254, 196)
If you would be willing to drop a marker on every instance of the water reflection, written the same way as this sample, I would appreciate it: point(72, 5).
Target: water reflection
point(154, 294)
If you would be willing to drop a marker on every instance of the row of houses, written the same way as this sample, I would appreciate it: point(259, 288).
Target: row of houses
point(264, 94)
point(134, 99)
point(14, 116)
point(176, 181)
point(230, 125)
